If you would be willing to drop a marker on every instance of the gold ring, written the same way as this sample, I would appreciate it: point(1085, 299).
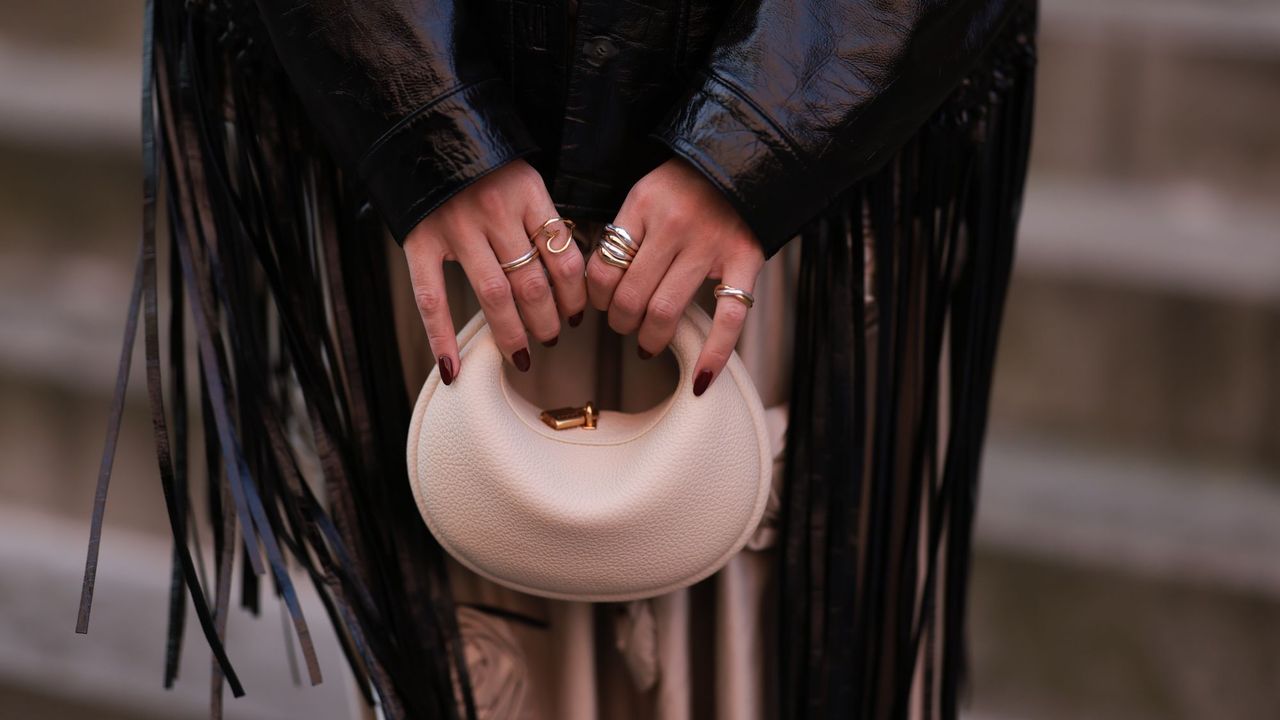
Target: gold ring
point(613, 256)
point(622, 238)
point(521, 261)
point(553, 234)
point(618, 249)
point(741, 296)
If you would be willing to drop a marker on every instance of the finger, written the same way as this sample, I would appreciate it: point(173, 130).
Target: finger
point(566, 268)
point(603, 278)
point(726, 327)
point(673, 295)
point(494, 293)
point(426, 274)
point(528, 283)
point(631, 297)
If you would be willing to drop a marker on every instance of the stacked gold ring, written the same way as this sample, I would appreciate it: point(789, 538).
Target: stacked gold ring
point(741, 296)
point(616, 247)
point(525, 259)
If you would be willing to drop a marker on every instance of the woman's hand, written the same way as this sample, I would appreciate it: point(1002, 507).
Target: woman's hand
point(687, 232)
point(486, 224)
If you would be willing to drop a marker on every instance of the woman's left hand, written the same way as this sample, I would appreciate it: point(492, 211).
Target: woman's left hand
point(687, 232)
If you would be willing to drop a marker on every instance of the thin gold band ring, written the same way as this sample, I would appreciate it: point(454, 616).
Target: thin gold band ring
point(741, 296)
point(525, 259)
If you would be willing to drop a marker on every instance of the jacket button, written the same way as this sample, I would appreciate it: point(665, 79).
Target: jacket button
point(599, 49)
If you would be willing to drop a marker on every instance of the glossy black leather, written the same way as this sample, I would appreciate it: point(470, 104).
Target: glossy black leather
point(782, 103)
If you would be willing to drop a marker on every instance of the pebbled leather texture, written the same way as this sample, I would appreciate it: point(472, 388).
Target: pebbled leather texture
point(646, 504)
point(783, 104)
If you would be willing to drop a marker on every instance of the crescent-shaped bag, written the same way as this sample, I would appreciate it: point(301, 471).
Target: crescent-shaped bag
point(643, 504)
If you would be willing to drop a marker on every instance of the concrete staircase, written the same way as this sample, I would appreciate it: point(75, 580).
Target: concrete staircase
point(1128, 526)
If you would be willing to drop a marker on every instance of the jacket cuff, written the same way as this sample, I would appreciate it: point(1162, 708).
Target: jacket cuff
point(740, 150)
point(439, 149)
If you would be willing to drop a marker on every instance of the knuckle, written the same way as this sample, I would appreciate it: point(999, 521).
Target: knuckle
point(530, 181)
point(569, 268)
point(680, 206)
point(641, 194)
point(423, 238)
point(620, 325)
point(491, 198)
point(598, 275)
point(430, 302)
point(627, 301)
point(493, 290)
point(663, 311)
point(532, 287)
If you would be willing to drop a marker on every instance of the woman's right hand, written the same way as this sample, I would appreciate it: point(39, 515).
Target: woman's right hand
point(485, 224)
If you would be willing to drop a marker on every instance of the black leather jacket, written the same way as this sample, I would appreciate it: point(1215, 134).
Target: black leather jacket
point(781, 103)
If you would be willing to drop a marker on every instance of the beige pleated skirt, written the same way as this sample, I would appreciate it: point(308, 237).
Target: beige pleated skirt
point(698, 653)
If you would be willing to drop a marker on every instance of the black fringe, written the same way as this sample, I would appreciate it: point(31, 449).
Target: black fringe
point(268, 246)
point(877, 518)
point(267, 240)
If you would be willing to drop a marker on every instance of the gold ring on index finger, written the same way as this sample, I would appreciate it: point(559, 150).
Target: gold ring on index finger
point(553, 234)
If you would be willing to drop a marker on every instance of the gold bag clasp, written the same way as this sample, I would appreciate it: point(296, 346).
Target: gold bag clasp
point(565, 418)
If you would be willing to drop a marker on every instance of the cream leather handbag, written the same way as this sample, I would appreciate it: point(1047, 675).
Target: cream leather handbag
point(640, 505)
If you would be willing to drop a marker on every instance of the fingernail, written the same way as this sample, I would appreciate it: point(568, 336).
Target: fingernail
point(575, 320)
point(644, 354)
point(446, 369)
point(521, 359)
point(701, 382)
point(552, 342)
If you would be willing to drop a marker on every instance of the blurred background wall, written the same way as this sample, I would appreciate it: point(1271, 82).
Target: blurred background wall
point(1128, 561)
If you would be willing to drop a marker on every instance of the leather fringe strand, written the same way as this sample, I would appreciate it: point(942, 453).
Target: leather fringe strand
point(900, 298)
point(266, 242)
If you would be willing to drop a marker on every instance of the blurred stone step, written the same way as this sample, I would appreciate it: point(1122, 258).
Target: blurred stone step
point(1123, 587)
point(1063, 642)
point(68, 97)
point(107, 28)
point(116, 670)
point(1145, 317)
point(1181, 238)
point(1161, 90)
point(1140, 515)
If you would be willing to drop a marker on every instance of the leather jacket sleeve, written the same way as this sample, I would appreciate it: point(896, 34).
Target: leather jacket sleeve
point(798, 100)
point(404, 92)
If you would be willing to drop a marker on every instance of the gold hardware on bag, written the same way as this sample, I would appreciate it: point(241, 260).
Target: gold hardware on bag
point(565, 418)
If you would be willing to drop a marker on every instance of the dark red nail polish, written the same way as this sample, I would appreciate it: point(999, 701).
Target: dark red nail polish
point(644, 354)
point(552, 342)
point(701, 382)
point(575, 320)
point(446, 370)
point(521, 359)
